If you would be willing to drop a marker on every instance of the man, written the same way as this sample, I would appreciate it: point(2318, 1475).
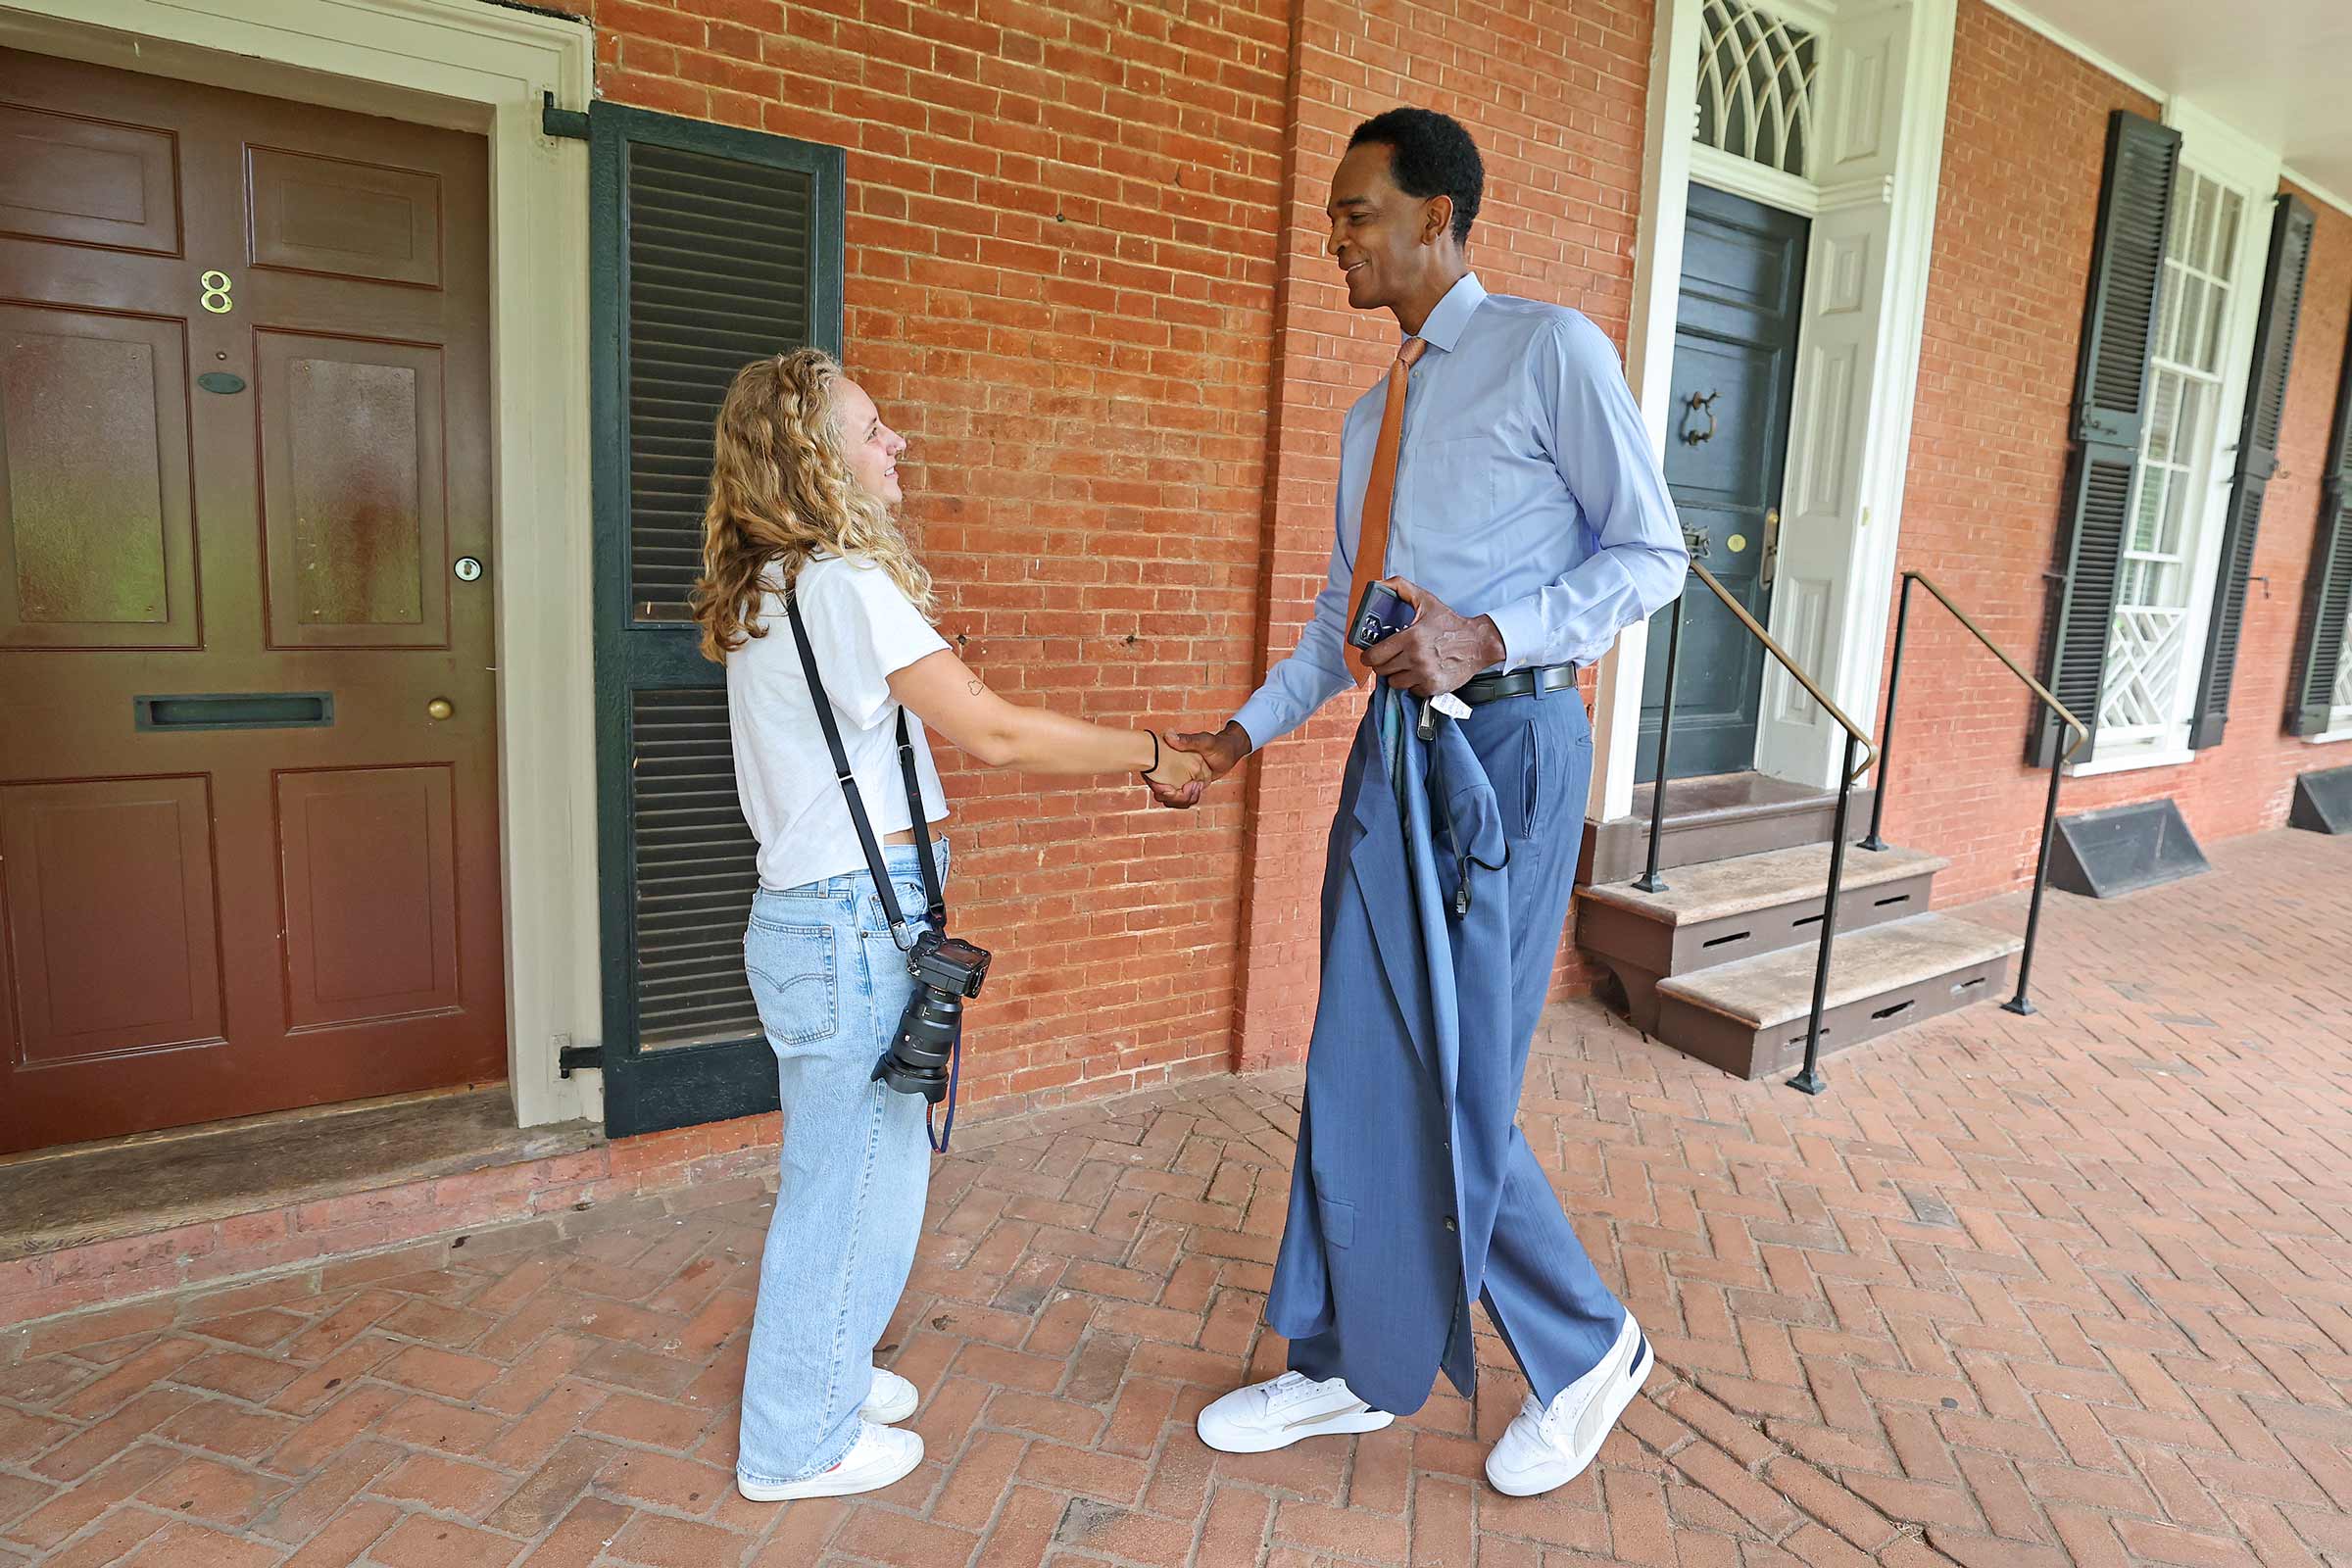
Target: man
point(1517, 507)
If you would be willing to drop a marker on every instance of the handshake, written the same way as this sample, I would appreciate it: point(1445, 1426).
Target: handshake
point(1435, 651)
point(1189, 762)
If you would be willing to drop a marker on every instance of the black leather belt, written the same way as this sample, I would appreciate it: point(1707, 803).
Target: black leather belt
point(1517, 683)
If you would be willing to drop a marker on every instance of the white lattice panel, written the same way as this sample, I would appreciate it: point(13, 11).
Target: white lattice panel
point(1757, 80)
point(2144, 668)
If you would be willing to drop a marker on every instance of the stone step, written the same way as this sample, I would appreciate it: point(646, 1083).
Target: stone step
point(1717, 817)
point(1734, 910)
point(1749, 1018)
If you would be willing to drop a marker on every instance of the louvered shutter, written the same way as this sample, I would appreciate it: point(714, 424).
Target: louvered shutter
point(2327, 591)
point(2118, 323)
point(2282, 308)
point(711, 247)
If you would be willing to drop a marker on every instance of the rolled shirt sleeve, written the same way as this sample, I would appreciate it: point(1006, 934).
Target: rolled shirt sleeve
point(1636, 560)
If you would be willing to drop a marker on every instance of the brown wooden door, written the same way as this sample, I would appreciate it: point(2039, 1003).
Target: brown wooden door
point(244, 438)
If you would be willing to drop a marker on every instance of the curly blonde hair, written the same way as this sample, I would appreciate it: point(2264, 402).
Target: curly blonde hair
point(780, 492)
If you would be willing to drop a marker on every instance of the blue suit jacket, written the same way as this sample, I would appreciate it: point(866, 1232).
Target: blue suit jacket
point(1411, 1075)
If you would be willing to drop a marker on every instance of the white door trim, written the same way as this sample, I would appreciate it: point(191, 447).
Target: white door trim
point(464, 65)
point(1893, 107)
point(1673, 108)
point(1880, 174)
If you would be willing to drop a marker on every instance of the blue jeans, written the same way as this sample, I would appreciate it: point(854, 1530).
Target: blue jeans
point(830, 984)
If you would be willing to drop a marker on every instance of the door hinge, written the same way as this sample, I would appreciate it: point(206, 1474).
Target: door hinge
point(569, 1057)
point(554, 122)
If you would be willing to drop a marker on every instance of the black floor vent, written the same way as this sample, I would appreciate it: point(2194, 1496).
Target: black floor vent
point(2101, 854)
point(2323, 802)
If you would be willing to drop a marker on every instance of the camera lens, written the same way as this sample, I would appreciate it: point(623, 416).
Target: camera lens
point(917, 1062)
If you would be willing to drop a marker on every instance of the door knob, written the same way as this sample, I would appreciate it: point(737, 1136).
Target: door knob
point(438, 708)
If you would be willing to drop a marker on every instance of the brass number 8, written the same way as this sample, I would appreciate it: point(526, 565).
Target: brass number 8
point(216, 293)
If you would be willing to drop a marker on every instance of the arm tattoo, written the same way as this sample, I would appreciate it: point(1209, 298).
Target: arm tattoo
point(977, 687)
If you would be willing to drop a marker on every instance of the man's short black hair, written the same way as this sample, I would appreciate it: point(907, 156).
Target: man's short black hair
point(1431, 154)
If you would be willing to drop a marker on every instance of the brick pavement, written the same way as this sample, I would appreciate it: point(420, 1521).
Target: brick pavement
point(2018, 1293)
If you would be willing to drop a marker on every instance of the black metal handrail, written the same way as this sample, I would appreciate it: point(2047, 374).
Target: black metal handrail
point(2019, 1004)
point(1809, 1079)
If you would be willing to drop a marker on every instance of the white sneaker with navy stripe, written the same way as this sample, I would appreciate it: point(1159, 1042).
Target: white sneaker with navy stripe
point(1278, 1412)
point(1545, 1448)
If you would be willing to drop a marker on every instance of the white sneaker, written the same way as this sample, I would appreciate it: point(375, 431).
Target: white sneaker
point(882, 1456)
point(890, 1400)
point(1278, 1412)
point(1545, 1448)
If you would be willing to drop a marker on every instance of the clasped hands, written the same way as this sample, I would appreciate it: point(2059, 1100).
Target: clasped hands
point(1437, 652)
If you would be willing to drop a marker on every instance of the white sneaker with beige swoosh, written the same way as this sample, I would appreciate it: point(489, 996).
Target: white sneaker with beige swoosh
point(1278, 1412)
point(1545, 1448)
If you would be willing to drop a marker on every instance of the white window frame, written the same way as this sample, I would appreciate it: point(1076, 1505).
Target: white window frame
point(2339, 717)
point(2218, 152)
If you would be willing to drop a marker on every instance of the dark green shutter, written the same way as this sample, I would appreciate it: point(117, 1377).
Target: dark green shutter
point(711, 247)
point(2119, 324)
point(2327, 591)
point(2281, 309)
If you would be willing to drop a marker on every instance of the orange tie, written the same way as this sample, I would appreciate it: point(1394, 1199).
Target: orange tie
point(1372, 539)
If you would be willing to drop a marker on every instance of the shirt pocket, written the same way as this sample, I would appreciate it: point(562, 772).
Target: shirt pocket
point(794, 981)
point(1451, 485)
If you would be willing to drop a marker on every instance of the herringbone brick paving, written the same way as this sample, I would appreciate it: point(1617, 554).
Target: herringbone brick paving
point(2075, 1289)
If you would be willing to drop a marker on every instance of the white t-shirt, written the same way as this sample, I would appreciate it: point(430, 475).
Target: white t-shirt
point(863, 630)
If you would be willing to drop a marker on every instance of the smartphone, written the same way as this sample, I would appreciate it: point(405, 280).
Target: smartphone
point(1381, 613)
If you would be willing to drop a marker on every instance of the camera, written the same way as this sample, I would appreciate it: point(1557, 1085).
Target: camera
point(1381, 613)
point(946, 970)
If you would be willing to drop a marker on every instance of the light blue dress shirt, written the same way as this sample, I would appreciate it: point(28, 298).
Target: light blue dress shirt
point(1526, 490)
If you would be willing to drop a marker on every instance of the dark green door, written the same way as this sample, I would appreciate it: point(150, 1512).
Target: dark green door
point(1726, 446)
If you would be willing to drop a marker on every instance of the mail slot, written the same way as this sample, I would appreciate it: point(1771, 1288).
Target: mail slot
point(235, 711)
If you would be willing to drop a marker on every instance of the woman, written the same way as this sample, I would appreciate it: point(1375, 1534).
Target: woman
point(804, 487)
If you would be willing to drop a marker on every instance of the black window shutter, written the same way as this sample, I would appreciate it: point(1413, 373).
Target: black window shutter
point(711, 247)
point(2327, 591)
point(2118, 323)
point(2279, 310)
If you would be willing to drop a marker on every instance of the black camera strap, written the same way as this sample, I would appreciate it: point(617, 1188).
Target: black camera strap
point(937, 910)
point(935, 915)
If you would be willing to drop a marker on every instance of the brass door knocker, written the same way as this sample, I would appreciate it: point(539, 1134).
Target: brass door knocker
point(1693, 404)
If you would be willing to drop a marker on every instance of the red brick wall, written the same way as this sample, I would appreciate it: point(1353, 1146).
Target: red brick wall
point(1060, 285)
point(2024, 144)
point(1086, 274)
point(1562, 143)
